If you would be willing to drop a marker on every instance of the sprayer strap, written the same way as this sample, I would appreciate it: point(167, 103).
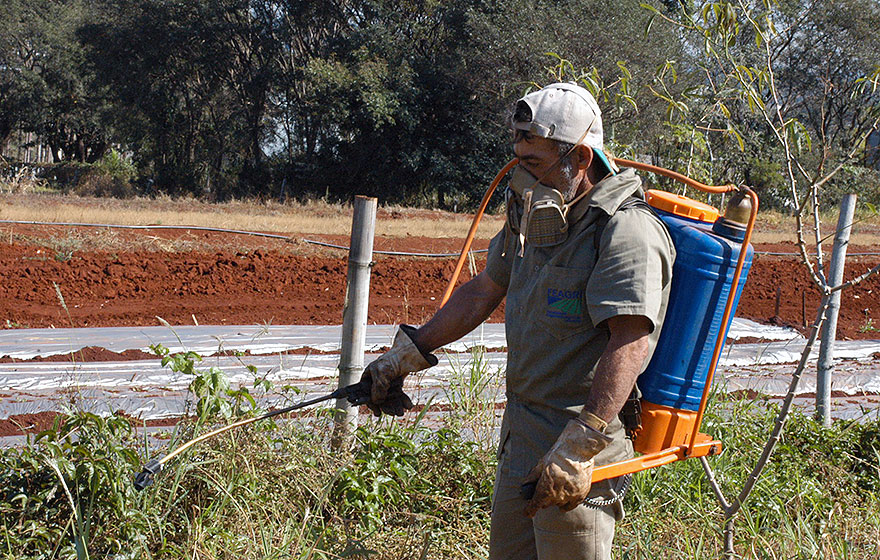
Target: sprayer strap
point(631, 202)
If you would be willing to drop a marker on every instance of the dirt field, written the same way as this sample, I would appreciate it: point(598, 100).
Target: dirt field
point(213, 278)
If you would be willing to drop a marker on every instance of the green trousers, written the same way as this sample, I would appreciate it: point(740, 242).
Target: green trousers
point(584, 533)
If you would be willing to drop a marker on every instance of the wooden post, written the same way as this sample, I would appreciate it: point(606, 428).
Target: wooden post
point(354, 311)
point(778, 298)
point(829, 329)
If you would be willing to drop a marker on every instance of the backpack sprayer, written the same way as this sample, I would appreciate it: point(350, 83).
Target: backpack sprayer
point(708, 276)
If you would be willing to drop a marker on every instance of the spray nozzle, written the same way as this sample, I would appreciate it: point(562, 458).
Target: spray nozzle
point(145, 477)
point(732, 224)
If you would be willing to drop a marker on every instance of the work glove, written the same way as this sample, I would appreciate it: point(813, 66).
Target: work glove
point(387, 372)
point(565, 473)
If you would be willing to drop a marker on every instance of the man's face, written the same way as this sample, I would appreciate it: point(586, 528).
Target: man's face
point(540, 157)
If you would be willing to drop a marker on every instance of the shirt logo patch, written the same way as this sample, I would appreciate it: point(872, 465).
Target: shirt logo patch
point(565, 304)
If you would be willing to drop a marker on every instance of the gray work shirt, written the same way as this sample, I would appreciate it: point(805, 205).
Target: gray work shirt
point(559, 297)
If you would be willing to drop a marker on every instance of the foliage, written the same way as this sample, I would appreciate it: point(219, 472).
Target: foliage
point(409, 470)
point(472, 391)
point(787, 84)
point(94, 457)
point(49, 85)
point(278, 490)
point(804, 503)
point(248, 98)
point(111, 176)
point(408, 102)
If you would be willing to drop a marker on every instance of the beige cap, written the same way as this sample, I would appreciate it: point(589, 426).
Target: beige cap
point(564, 112)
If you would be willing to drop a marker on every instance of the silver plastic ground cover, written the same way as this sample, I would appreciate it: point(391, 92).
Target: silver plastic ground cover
point(23, 344)
point(144, 389)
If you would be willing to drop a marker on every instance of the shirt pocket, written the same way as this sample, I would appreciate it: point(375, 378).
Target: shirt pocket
point(559, 301)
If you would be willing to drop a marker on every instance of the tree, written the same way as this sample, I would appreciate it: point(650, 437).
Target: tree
point(47, 86)
point(193, 82)
point(752, 56)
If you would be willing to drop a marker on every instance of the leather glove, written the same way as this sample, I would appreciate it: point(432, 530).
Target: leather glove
point(395, 403)
point(387, 372)
point(564, 474)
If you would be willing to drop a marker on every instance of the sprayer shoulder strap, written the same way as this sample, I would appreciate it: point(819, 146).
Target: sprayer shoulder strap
point(631, 202)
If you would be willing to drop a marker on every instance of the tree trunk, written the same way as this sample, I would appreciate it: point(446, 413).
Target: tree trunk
point(5, 133)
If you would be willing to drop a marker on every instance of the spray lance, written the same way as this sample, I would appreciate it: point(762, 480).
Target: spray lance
point(356, 394)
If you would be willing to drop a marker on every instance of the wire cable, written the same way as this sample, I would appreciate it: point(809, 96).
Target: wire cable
point(395, 253)
point(322, 243)
point(237, 232)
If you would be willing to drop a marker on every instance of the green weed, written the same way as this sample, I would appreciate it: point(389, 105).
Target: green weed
point(868, 324)
point(403, 490)
point(816, 499)
point(472, 391)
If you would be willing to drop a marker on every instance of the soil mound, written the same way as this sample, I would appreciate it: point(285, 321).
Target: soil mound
point(103, 288)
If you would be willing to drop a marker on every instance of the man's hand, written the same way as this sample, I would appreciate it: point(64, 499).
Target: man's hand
point(387, 372)
point(564, 474)
point(396, 402)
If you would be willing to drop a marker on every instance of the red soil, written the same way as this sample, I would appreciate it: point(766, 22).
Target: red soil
point(272, 283)
point(282, 283)
point(88, 354)
point(21, 424)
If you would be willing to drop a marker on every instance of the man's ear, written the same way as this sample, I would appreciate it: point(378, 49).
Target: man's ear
point(584, 156)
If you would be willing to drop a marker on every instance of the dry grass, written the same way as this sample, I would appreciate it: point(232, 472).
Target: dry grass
point(775, 227)
point(302, 219)
point(291, 218)
point(21, 182)
point(65, 245)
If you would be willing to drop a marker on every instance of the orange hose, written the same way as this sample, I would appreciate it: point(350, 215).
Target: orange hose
point(470, 236)
point(675, 176)
point(728, 309)
point(619, 161)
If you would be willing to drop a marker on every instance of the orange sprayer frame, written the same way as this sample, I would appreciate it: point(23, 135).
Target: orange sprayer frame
point(698, 444)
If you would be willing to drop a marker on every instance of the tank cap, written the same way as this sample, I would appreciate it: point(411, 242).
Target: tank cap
point(681, 206)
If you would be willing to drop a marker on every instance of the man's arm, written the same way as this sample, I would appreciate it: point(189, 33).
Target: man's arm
point(470, 305)
point(619, 365)
point(562, 477)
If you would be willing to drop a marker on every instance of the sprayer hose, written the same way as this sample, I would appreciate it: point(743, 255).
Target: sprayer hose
point(621, 162)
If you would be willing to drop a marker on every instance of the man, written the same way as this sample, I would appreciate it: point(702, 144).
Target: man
point(587, 284)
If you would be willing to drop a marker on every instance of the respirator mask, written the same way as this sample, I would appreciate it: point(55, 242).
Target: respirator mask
point(565, 113)
point(536, 212)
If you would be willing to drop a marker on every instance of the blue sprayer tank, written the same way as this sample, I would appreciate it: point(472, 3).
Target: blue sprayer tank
point(702, 277)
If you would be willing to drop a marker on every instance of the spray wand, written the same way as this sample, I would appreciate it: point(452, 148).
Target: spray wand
point(357, 394)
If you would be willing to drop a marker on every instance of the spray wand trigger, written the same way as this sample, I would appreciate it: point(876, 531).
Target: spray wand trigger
point(358, 393)
point(145, 477)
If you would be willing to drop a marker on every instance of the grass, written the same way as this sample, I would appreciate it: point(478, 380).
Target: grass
point(292, 218)
point(301, 219)
point(404, 490)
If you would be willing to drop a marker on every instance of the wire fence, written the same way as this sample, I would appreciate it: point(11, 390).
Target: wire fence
point(322, 243)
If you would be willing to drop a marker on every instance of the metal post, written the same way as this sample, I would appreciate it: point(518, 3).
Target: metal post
point(354, 311)
point(829, 329)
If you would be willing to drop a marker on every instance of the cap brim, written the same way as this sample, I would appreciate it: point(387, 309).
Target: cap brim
point(612, 169)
